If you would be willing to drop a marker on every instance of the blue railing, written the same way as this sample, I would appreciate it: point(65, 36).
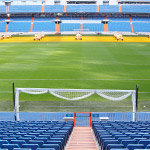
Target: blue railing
point(58, 116)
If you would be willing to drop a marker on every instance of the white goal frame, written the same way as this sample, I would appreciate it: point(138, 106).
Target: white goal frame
point(77, 94)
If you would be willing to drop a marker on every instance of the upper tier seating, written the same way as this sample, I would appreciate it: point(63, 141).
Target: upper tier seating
point(2, 9)
point(136, 8)
point(25, 8)
point(31, 8)
point(81, 8)
point(122, 135)
point(34, 135)
point(109, 8)
point(54, 8)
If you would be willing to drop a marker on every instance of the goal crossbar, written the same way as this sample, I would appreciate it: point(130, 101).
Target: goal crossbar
point(78, 94)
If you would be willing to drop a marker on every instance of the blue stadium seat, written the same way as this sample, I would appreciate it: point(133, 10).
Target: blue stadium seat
point(56, 142)
point(135, 146)
point(41, 139)
point(31, 146)
point(138, 139)
point(19, 142)
point(106, 142)
point(10, 146)
point(148, 146)
point(25, 139)
point(3, 142)
point(144, 142)
point(55, 146)
point(9, 139)
point(116, 146)
point(126, 142)
point(40, 143)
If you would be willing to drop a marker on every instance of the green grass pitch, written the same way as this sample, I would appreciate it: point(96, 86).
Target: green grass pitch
point(74, 66)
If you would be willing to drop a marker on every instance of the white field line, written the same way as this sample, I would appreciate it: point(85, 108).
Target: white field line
point(77, 79)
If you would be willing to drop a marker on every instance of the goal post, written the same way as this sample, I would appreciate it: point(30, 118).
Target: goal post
point(78, 94)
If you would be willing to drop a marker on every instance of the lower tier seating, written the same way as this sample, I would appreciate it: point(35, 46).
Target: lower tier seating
point(47, 24)
point(34, 135)
point(122, 135)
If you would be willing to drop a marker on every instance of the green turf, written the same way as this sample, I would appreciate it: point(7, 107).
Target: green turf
point(74, 65)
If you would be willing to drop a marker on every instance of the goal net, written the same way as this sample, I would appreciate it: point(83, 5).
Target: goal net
point(74, 95)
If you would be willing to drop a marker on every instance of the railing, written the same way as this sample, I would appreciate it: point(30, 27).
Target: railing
point(95, 116)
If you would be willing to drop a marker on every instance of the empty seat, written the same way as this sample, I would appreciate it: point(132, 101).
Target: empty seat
point(3, 142)
point(10, 146)
point(106, 142)
point(55, 146)
point(56, 142)
point(40, 143)
point(112, 146)
point(31, 146)
point(126, 142)
point(144, 142)
point(148, 146)
point(135, 146)
point(19, 142)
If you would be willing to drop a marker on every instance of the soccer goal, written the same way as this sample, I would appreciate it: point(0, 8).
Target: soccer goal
point(78, 94)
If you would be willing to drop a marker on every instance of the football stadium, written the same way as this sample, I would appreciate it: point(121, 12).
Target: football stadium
point(74, 74)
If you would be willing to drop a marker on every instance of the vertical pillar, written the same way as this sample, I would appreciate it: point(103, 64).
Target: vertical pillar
point(56, 26)
point(120, 9)
point(65, 8)
point(106, 25)
point(130, 19)
point(43, 8)
point(6, 29)
point(31, 28)
point(7, 9)
point(81, 25)
point(97, 8)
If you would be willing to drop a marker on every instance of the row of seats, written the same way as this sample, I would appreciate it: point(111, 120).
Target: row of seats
point(76, 8)
point(34, 135)
point(122, 135)
point(46, 24)
point(95, 27)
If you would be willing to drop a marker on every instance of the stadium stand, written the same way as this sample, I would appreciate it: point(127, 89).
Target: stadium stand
point(121, 135)
point(94, 27)
point(119, 26)
point(110, 8)
point(35, 134)
point(25, 8)
point(19, 27)
point(141, 26)
point(81, 8)
point(54, 8)
point(2, 9)
point(43, 26)
point(69, 26)
point(2, 26)
point(136, 8)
